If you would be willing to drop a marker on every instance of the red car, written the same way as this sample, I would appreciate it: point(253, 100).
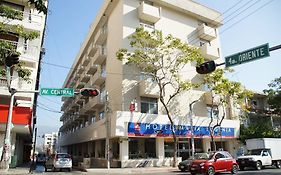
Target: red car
point(214, 162)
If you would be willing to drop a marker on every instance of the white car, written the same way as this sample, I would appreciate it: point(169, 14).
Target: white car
point(59, 161)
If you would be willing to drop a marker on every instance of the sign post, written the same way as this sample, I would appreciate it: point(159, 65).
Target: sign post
point(66, 92)
point(247, 55)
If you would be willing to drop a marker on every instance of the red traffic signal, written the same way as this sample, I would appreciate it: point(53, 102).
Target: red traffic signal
point(206, 67)
point(12, 59)
point(89, 92)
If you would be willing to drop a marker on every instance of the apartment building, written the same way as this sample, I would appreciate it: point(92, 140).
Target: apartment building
point(134, 137)
point(22, 116)
point(259, 111)
point(50, 143)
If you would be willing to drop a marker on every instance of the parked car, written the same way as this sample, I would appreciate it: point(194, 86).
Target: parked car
point(185, 165)
point(59, 161)
point(41, 158)
point(219, 161)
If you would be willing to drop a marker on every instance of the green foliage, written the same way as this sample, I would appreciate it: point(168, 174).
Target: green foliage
point(39, 5)
point(220, 85)
point(274, 95)
point(261, 128)
point(7, 47)
point(162, 58)
point(10, 13)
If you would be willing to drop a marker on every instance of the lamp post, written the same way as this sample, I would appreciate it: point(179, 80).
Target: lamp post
point(191, 127)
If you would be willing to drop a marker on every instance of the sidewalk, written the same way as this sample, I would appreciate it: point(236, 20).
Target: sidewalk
point(16, 171)
point(131, 170)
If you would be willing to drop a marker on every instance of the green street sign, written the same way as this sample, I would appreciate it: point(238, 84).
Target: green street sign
point(66, 92)
point(247, 55)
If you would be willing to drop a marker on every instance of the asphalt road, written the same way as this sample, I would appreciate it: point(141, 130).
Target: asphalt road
point(267, 171)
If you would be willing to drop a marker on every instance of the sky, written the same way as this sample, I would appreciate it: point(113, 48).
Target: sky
point(247, 24)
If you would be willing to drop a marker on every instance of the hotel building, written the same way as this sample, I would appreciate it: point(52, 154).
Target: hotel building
point(142, 136)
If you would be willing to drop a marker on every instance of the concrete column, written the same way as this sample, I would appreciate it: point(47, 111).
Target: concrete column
point(206, 144)
point(124, 150)
point(160, 152)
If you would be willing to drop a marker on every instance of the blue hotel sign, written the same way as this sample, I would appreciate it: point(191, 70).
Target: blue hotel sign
point(162, 130)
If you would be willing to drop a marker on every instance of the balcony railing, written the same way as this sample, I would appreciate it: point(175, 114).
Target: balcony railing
point(206, 32)
point(100, 55)
point(99, 76)
point(3, 82)
point(149, 89)
point(149, 13)
point(101, 35)
point(210, 52)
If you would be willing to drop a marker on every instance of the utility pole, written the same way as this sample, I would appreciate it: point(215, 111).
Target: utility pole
point(191, 128)
point(108, 151)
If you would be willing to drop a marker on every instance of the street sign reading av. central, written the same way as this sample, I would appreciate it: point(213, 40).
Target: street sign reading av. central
point(247, 55)
point(66, 92)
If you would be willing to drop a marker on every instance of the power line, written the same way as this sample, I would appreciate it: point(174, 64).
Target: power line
point(262, 6)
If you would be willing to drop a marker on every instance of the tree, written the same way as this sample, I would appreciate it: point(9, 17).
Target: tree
point(6, 28)
point(162, 58)
point(228, 92)
point(274, 96)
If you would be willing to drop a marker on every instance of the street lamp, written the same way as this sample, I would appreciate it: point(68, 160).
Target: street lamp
point(191, 128)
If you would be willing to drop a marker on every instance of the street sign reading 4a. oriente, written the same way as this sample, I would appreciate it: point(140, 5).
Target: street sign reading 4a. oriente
point(247, 55)
point(66, 92)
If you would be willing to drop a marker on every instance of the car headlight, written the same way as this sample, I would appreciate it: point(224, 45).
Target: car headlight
point(251, 159)
point(202, 164)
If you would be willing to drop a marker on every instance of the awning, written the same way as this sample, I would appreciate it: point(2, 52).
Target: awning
point(20, 116)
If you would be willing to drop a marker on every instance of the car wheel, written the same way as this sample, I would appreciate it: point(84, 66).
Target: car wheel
point(234, 169)
point(211, 171)
point(278, 164)
point(182, 170)
point(193, 173)
point(54, 169)
point(258, 165)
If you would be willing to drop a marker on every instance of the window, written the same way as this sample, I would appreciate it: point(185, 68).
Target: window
point(149, 105)
point(212, 113)
point(93, 119)
point(101, 115)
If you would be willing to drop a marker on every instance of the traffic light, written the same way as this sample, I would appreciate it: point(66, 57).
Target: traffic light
point(89, 92)
point(12, 59)
point(206, 67)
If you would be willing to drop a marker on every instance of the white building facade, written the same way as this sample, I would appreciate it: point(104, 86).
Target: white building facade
point(134, 137)
point(50, 143)
point(30, 50)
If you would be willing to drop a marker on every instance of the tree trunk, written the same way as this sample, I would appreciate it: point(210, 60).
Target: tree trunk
point(175, 148)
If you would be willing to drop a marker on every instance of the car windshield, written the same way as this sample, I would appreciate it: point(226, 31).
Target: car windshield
point(63, 156)
point(255, 152)
point(201, 156)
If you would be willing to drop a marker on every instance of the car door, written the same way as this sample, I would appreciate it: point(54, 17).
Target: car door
point(228, 161)
point(266, 157)
point(219, 160)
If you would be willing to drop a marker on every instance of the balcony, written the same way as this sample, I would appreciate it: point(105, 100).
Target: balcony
point(91, 68)
point(99, 76)
point(206, 32)
point(94, 103)
point(210, 52)
point(80, 84)
point(85, 77)
point(100, 55)
point(149, 13)
point(80, 69)
point(92, 50)
point(101, 35)
point(148, 89)
point(3, 82)
point(66, 103)
point(76, 77)
point(86, 60)
point(208, 99)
